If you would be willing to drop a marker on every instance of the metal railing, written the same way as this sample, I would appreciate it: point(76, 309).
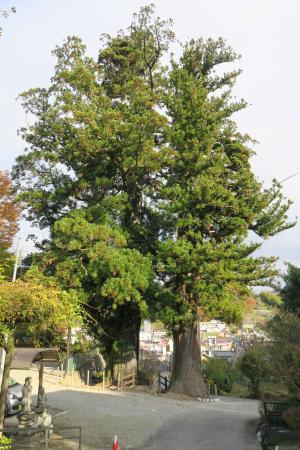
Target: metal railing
point(163, 382)
point(41, 438)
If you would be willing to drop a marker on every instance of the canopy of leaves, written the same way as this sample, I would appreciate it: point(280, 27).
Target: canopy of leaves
point(37, 303)
point(9, 215)
point(90, 254)
point(156, 149)
point(284, 333)
point(290, 293)
point(275, 356)
point(9, 211)
point(270, 299)
point(87, 252)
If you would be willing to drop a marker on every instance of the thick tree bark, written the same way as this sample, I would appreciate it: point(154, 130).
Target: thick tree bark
point(5, 378)
point(186, 371)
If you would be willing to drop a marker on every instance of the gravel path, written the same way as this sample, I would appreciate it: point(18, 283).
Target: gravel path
point(144, 421)
point(134, 417)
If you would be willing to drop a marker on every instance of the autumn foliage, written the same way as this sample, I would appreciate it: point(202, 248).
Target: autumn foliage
point(250, 304)
point(9, 211)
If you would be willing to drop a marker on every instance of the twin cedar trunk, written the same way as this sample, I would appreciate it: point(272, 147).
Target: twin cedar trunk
point(186, 372)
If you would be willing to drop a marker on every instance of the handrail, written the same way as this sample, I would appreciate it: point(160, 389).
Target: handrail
point(163, 380)
point(48, 436)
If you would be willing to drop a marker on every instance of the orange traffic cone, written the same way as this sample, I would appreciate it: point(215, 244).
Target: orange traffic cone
point(116, 443)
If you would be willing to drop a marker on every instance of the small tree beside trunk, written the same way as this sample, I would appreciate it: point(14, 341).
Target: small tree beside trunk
point(35, 302)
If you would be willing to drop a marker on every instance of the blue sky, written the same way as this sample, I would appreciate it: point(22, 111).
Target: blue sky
point(266, 33)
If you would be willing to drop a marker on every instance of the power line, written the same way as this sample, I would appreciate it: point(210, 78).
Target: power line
point(291, 176)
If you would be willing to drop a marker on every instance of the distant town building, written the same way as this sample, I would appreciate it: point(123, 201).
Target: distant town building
point(155, 339)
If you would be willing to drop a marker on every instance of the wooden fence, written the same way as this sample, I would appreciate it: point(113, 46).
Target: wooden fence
point(126, 380)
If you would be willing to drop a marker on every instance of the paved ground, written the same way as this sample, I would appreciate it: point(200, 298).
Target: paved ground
point(229, 424)
point(153, 423)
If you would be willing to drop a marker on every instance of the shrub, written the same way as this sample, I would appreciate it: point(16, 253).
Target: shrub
point(292, 418)
point(5, 440)
point(219, 372)
point(149, 365)
point(254, 366)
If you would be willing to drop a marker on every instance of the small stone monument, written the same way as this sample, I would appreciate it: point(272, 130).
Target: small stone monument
point(154, 385)
point(26, 416)
point(43, 418)
point(41, 401)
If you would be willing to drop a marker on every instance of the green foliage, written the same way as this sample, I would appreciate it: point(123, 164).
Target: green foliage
point(84, 251)
point(211, 198)
point(292, 417)
point(83, 344)
point(219, 372)
point(290, 293)
point(89, 253)
point(37, 305)
point(254, 365)
point(6, 264)
point(5, 440)
point(283, 331)
point(272, 364)
point(270, 299)
point(145, 182)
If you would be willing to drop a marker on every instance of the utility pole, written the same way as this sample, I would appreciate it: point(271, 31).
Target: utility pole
point(17, 255)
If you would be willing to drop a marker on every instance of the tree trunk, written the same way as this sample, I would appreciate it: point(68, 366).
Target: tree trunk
point(186, 371)
point(68, 353)
point(136, 337)
point(4, 387)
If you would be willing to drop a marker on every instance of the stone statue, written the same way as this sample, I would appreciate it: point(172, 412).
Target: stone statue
point(41, 400)
point(154, 385)
point(31, 419)
point(26, 396)
point(26, 416)
point(42, 418)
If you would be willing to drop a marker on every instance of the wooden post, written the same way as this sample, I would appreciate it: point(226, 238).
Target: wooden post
point(119, 380)
point(88, 378)
point(208, 387)
point(216, 390)
point(68, 353)
point(72, 374)
point(133, 378)
point(103, 380)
